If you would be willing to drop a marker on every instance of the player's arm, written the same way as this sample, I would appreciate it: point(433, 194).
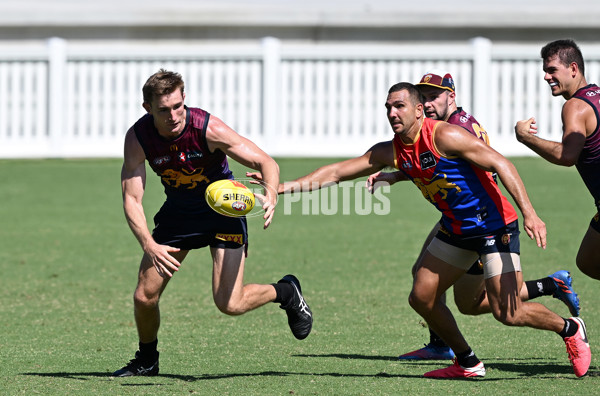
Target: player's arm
point(133, 182)
point(577, 117)
point(375, 159)
point(451, 140)
point(222, 137)
point(384, 178)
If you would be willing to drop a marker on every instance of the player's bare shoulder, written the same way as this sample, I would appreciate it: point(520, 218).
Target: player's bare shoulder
point(577, 107)
point(133, 152)
point(577, 114)
point(450, 140)
point(219, 135)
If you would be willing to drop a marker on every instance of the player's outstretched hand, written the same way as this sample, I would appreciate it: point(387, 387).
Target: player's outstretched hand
point(380, 179)
point(257, 176)
point(268, 206)
point(268, 201)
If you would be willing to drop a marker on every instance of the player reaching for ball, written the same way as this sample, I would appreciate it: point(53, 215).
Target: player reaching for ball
point(439, 92)
point(452, 169)
point(188, 149)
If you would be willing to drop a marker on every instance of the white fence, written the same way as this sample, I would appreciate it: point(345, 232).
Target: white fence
point(60, 99)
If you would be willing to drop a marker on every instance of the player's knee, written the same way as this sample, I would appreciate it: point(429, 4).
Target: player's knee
point(229, 306)
point(142, 300)
point(469, 305)
point(466, 308)
point(506, 317)
point(419, 303)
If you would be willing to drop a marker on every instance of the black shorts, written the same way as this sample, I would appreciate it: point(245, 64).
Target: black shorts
point(185, 230)
point(476, 268)
point(504, 240)
point(595, 223)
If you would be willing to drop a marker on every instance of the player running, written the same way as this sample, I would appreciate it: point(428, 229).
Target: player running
point(188, 149)
point(438, 89)
point(452, 169)
point(580, 146)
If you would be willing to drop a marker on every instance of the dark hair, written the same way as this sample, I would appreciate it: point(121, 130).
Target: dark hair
point(413, 91)
point(567, 51)
point(160, 83)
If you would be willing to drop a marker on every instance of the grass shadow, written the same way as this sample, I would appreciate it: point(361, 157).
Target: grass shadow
point(539, 371)
point(522, 367)
point(83, 376)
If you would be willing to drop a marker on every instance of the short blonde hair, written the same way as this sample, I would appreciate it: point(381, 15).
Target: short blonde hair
point(160, 83)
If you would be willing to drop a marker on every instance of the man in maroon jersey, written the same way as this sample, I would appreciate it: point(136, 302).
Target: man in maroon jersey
point(580, 146)
point(188, 149)
point(438, 89)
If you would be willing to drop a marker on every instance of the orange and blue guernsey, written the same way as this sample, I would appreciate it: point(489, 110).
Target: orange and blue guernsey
point(470, 201)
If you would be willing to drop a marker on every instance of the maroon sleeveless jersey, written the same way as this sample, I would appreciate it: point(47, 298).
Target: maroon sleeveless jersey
point(468, 122)
point(588, 163)
point(185, 164)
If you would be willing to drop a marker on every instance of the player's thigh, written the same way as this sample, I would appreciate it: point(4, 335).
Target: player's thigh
point(503, 280)
point(469, 292)
point(588, 255)
point(433, 277)
point(428, 240)
point(228, 270)
point(150, 283)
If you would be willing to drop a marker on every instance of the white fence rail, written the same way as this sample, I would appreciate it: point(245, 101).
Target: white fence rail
point(60, 99)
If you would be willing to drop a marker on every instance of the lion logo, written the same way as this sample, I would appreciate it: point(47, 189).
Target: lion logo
point(437, 184)
point(184, 178)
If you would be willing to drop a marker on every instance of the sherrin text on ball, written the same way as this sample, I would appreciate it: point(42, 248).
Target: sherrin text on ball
point(229, 198)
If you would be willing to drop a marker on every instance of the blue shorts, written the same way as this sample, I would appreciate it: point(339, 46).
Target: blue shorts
point(504, 240)
point(194, 230)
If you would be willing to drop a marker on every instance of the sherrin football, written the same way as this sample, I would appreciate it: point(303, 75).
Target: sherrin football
point(229, 198)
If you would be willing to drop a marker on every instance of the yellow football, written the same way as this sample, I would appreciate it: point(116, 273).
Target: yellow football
point(229, 198)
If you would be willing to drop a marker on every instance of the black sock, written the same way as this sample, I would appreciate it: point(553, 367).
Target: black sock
point(570, 328)
point(148, 351)
point(467, 359)
point(435, 339)
point(285, 292)
point(540, 287)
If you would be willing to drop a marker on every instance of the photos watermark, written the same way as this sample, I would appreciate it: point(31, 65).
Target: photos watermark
point(345, 198)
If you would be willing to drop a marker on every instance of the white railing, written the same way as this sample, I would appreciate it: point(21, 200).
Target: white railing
point(60, 99)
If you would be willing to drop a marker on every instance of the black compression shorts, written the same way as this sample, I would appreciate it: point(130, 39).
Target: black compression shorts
point(187, 231)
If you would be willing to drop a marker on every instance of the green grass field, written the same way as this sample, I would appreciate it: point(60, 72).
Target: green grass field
point(69, 265)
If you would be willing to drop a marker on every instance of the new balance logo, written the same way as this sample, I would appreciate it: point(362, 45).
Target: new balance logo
point(490, 242)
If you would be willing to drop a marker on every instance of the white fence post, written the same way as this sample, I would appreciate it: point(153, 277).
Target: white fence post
point(271, 82)
point(482, 62)
point(57, 63)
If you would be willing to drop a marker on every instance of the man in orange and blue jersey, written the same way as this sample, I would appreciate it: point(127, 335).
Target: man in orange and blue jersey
point(452, 168)
point(439, 92)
